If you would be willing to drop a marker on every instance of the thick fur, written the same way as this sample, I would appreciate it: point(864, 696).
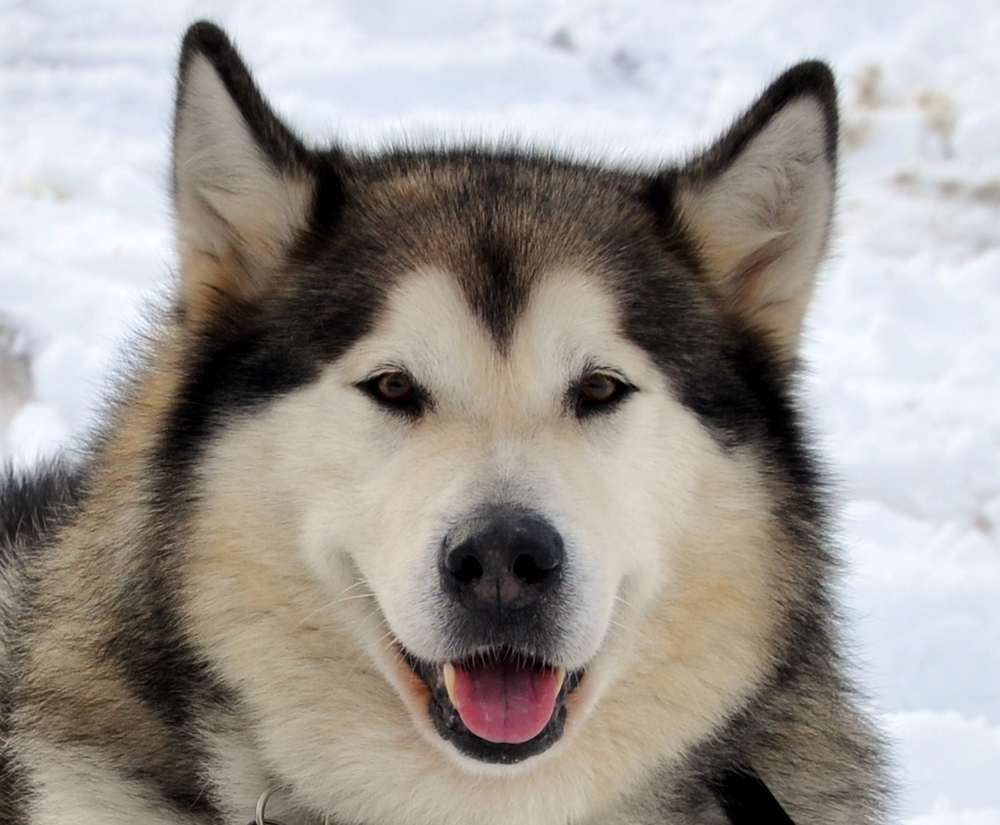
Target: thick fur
point(241, 587)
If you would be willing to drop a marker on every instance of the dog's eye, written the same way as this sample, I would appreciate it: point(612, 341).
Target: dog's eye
point(395, 390)
point(599, 391)
point(396, 387)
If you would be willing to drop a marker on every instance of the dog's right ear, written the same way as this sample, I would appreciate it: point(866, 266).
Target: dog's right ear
point(244, 186)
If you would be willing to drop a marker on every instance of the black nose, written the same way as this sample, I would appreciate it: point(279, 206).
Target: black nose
point(502, 560)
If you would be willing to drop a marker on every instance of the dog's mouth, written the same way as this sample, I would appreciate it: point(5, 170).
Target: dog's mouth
point(498, 706)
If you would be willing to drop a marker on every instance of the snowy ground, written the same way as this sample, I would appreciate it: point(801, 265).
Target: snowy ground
point(903, 343)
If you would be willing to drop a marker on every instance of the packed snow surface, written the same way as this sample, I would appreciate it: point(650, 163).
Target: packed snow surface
point(903, 346)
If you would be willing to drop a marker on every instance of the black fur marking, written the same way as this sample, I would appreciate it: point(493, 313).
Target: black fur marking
point(501, 297)
point(499, 293)
point(659, 196)
point(153, 653)
point(156, 659)
point(747, 800)
point(717, 375)
point(729, 376)
point(261, 363)
point(32, 505)
point(328, 200)
point(230, 376)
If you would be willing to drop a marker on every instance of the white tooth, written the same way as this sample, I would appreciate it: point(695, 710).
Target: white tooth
point(448, 671)
point(560, 678)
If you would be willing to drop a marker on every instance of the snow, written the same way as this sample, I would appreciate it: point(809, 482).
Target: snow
point(902, 344)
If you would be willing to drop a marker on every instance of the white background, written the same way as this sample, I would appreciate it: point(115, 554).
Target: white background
point(903, 345)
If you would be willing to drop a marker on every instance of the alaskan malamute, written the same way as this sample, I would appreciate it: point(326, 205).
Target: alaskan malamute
point(455, 487)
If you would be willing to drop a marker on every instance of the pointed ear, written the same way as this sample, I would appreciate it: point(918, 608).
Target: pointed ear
point(243, 184)
point(758, 204)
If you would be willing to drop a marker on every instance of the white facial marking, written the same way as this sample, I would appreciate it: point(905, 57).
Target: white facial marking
point(383, 489)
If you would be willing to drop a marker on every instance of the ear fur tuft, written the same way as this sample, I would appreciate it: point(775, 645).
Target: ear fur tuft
point(758, 204)
point(243, 184)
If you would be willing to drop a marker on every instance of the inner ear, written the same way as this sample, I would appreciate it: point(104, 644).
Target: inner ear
point(243, 184)
point(758, 204)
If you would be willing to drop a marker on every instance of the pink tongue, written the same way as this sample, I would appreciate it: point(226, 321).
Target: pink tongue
point(499, 702)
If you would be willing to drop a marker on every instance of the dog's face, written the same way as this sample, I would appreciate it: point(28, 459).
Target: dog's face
point(505, 413)
point(484, 466)
point(504, 506)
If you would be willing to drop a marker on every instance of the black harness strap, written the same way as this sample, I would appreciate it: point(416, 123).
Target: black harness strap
point(747, 800)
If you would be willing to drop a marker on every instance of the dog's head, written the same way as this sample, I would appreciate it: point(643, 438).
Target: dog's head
point(514, 422)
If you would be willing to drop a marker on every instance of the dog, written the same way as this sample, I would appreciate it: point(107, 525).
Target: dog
point(454, 487)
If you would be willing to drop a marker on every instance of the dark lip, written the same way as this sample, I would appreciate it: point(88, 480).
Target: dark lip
point(450, 727)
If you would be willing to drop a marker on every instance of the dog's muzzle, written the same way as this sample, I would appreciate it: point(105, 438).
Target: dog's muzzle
point(502, 697)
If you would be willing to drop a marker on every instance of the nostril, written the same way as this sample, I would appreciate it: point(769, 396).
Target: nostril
point(502, 559)
point(466, 569)
point(528, 570)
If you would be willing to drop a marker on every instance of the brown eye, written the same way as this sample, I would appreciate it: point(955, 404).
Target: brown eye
point(598, 388)
point(396, 387)
point(397, 392)
point(599, 392)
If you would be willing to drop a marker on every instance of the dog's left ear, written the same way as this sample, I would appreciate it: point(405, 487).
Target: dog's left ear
point(244, 186)
point(758, 204)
